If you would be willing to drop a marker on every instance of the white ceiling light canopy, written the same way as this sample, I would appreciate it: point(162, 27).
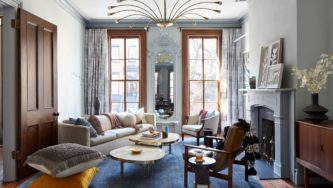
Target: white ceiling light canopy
point(181, 9)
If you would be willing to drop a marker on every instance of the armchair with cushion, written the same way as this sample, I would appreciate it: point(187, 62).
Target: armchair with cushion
point(224, 158)
point(194, 125)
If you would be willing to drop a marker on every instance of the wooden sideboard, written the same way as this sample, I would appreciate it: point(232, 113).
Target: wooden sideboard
point(314, 148)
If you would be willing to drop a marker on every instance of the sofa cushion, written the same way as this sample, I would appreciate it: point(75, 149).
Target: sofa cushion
point(127, 119)
point(139, 114)
point(144, 127)
point(115, 123)
point(194, 128)
point(123, 131)
point(101, 123)
point(100, 139)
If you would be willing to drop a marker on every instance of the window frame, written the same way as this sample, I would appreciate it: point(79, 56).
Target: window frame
point(186, 35)
point(127, 34)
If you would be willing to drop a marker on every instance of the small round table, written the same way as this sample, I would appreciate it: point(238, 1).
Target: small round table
point(202, 170)
point(172, 138)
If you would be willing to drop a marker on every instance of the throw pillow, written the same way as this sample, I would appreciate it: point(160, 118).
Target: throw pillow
point(72, 121)
point(210, 113)
point(86, 123)
point(103, 121)
point(115, 123)
point(202, 115)
point(139, 114)
point(80, 180)
point(126, 119)
point(97, 122)
point(64, 159)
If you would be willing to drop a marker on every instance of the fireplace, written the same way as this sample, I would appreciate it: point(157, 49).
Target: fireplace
point(272, 113)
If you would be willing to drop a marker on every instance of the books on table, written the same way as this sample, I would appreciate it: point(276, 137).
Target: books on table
point(151, 136)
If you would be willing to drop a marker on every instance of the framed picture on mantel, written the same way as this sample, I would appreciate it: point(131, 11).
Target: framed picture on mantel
point(274, 76)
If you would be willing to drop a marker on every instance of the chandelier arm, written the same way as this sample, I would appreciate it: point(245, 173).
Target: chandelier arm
point(159, 10)
point(186, 12)
point(145, 6)
point(174, 6)
point(199, 3)
point(175, 14)
point(133, 10)
point(129, 5)
point(203, 17)
point(191, 20)
point(120, 19)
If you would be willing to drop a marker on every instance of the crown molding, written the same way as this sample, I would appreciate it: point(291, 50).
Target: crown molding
point(72, 10)
point(11, 3)
point(213, 23)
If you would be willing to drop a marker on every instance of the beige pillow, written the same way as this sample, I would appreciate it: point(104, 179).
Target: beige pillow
point(101, 123)
point(139, 114)
point(127, 119)
point(64, 159)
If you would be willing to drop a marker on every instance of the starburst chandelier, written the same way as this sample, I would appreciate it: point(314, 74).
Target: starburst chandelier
point(181, 9)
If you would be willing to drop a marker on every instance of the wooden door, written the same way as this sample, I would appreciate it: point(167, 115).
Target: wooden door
point(38, 87)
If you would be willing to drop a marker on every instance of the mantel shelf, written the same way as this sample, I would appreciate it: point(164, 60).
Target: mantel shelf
point(269, 90)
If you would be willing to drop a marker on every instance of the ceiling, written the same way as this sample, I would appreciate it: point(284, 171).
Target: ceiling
point(97, 9)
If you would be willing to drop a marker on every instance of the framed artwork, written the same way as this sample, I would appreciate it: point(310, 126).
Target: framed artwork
point(276, 52)
point(263, 68)
point(274, 76)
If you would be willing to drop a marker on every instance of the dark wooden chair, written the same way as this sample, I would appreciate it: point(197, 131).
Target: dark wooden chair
point(224, 158)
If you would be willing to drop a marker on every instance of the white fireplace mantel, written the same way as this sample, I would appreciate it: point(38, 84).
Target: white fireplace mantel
point(281, 102)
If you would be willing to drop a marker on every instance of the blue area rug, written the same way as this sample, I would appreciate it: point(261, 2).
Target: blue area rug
point(165, 173)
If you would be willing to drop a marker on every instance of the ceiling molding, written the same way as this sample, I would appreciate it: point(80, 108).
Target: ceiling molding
point(11, 3)
point(72, 10)
point(214, 23)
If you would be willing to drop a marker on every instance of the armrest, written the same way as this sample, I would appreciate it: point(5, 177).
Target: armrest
point(68, 133)
point(214, 137)
point(208, 149)
point(150, 118)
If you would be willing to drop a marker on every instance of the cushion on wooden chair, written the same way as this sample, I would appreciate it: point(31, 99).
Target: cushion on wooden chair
point(233, 142)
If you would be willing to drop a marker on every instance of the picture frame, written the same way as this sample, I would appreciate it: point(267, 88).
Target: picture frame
point(276, 48)
point(263, 67)
point(274, 76)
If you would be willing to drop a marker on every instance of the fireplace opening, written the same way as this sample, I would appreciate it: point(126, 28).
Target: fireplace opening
point(265, 130)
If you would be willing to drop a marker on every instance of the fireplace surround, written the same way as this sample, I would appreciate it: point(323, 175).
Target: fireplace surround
point(281, 103)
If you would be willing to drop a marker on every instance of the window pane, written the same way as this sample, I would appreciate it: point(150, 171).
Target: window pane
point(132, 46)
point(117, 91)
point(117, 70)
point(132, 70)
point(195, 108)
point(195, 48)
point(210, 106)
point(196, 91)
point(211, 92)
point(210, 48)
point(117, 48)
point(117, 107)
point(132, 105)
point(211, 70)
point(132, 91)
point(195, 72)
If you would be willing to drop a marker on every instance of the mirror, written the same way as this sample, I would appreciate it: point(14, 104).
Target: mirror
point(164, 85)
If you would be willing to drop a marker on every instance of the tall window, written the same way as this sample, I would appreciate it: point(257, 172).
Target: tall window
point(201, 61)
point(127, 69)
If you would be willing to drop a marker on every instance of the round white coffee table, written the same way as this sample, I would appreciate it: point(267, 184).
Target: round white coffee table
point(172, 138)
point(147, 157)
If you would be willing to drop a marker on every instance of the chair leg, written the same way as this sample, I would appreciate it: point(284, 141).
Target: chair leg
point(230, 162)
point(198, 139)
point(182, 136)
point(185, 167)
point(246, 172)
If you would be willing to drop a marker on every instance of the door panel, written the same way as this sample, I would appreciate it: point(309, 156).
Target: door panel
point(38, 87)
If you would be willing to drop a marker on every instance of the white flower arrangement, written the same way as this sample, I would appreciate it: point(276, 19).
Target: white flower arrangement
point(315, 78)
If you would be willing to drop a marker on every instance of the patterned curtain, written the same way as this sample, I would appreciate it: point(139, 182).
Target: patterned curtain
point(96, 70)
point(232, 77)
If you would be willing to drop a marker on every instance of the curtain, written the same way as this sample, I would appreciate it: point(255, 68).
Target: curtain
point(232, 77)
point(96, 70)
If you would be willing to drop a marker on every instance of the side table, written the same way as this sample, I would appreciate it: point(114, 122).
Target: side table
point(202, 170)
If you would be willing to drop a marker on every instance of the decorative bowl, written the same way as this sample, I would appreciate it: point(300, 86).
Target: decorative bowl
point(136, 150)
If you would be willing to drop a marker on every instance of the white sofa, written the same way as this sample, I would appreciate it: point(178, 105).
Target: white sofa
point(112, 139)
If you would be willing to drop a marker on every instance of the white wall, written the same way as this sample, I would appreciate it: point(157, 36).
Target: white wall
point(70, 54)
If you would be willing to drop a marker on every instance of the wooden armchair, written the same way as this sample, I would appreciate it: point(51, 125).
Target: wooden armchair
point(224, 158)
point(193, 128)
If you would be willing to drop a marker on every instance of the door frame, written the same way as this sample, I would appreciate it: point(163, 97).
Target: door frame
point(10, 76)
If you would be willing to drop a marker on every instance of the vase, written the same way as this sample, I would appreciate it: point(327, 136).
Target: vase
point(315, 112)
point(97, 105)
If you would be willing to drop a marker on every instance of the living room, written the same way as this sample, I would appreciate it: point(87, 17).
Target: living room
point(136, 68)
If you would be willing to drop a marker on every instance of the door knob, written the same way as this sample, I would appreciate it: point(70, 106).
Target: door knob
point(56, 114)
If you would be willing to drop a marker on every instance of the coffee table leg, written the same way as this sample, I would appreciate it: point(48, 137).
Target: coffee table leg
point(170, 151)
point(147, 169)
point(121, 168)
